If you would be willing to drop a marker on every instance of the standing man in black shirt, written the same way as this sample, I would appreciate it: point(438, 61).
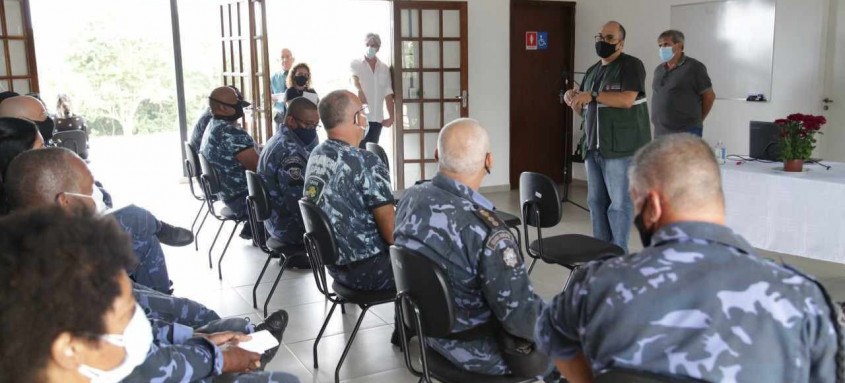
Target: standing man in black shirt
point(612, 102)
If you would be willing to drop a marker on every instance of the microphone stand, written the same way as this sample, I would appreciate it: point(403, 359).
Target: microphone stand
point(567, 143)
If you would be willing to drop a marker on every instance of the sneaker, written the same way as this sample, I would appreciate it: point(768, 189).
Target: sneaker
point(275, 323)
point(174, 236)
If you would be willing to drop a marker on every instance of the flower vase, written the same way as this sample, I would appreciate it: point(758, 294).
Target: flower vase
point(793, 166)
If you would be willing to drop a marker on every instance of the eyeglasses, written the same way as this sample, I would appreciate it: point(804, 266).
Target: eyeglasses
point(306, 125)
point(365, 110)
point(605, 38)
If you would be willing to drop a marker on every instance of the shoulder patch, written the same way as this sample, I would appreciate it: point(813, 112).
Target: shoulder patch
point(314, 188)
point(497, 237)
point(489, 218)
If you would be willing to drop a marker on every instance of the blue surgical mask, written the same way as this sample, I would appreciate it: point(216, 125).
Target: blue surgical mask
point(371, 52)
point(666, 54)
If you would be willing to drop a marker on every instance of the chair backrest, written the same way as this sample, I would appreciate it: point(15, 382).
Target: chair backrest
point(318, 231)
point(379, 151)
point(192, 161)
point(258, 209)
point(614, 375)
point(209, 175)
point(75, 140)
point(537, 192)
point(258, 193)
point(424, 282)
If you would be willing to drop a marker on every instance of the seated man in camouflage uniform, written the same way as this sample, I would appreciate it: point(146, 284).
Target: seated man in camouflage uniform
point(449, 222)
point(282, 167)
point(696, 301)
point(229, 149)
point(179, 325)
point(96, 250)
point(352, 186)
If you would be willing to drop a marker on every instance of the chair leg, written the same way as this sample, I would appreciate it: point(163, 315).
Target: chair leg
point(257, 281)
point(223, 254)
point(531, 268)
point(213, 242)
point(322, 330)
point(343, 308)
point(197, 217)
point(276, 283)
point(364, 309)
point(569, 277)
point(197, 233)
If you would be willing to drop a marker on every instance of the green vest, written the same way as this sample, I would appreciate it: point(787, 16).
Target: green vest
point(620, 132)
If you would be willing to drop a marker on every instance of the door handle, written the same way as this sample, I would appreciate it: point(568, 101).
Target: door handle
point(827, 100)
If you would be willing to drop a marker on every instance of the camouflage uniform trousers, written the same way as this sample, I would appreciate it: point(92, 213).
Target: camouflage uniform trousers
point(143, 225)
point(372, 274)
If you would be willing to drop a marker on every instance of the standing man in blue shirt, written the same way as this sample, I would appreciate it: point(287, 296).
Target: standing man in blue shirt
point(278, 85)
point(282, 167)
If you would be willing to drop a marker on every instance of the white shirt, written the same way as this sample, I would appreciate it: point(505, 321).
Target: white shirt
point(375, 84)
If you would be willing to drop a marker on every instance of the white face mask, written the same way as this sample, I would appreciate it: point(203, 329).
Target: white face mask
point(136, 340)
point(97, 195)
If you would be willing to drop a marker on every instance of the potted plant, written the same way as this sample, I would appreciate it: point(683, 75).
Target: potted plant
point(797, 139)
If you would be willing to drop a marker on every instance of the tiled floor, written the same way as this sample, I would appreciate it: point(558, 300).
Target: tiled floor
point(372, 358)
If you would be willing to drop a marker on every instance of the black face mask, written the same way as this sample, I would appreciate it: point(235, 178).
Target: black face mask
point(645, 233)
point(239, 110)
point(300, 80)
point(605, 50)
point(306, 135)
point(46, 128)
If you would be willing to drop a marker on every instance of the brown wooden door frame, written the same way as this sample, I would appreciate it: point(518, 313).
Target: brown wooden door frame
point(567, 66)
point(251, 78)
point(29, 46)
point(398, 71)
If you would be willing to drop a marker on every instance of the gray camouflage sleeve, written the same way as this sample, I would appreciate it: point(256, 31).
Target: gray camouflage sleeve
point(506, 286)
point(195, 359)
point(822, 336)
point(556, 332)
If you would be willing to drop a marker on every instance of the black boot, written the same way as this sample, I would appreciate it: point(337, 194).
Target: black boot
point(174, 236)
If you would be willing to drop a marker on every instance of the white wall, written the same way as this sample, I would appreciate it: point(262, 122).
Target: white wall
point(797, 68)
point(796, 87)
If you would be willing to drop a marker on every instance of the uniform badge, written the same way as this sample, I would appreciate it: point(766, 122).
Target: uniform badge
point(510, 257)
point(295, 173)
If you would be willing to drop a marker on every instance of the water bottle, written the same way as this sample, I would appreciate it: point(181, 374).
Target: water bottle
point(720, 152)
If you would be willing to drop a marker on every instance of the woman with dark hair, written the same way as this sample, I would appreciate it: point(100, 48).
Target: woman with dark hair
point(68, 310)
point(299, 84)
point(66, 119)
point(16, 137)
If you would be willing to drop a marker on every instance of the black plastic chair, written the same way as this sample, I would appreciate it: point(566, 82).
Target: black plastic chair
point(211, 186)
point(321, 247)
point(379, 151)
point(258, 207)
point(194, 171)
point(541, 208)
point(74, 140)
point(616, 375)
point(427, 305)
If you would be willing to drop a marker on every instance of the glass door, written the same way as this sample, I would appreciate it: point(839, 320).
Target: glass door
point(17, 62)
point(430, 46)
point(243, 44)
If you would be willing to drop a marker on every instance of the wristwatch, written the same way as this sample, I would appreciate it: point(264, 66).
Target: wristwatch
point(595, 96)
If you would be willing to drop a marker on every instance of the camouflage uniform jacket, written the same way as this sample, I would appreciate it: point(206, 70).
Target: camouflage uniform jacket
point(282, 167)
point(347, 183)
point(199, 128)
point(455, 226)
point(696, 303)
point(222, 141)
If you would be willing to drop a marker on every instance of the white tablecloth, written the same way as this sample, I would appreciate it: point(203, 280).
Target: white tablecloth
point(801, 214)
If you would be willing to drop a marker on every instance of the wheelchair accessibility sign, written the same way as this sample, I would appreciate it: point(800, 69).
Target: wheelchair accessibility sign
point(535, 40)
